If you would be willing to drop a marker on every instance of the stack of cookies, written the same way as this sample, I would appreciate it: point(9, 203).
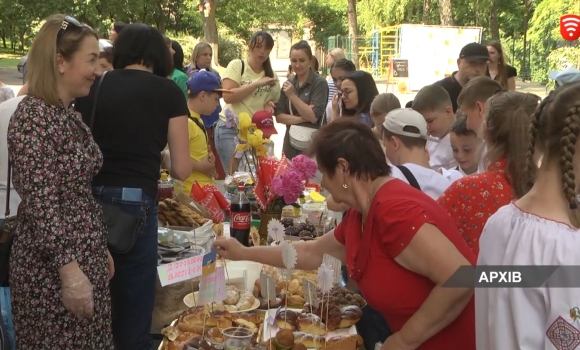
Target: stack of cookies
point(173, 213)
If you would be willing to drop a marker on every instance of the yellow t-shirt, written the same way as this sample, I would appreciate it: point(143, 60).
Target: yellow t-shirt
point(198, 149)
point(257, 99)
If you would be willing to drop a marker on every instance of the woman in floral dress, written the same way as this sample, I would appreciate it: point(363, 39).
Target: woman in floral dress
point(59, 266)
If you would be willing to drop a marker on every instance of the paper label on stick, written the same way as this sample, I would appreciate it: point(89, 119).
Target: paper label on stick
point(336, 266)
point(285, 274)
point(310, 292)
point(179, 271)
point(212, 288)
point(267, 287)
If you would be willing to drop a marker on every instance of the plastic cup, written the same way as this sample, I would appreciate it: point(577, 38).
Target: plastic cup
point(237, 338)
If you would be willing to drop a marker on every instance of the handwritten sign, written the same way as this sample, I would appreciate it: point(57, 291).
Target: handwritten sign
point(212, 288)
point(267, 287)
point(335, 265)
point(285, 274)
point(309, 289)
point(400, 68)
point(179, 271)
point(209, 263)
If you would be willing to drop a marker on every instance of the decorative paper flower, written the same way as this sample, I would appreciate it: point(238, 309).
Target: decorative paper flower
point(256, 139)
point(276, 230)
point(244, 125)
point(242, 147)
point(289, 186)
point(289, 255)
point(304, 166)
point(230, 119)
point(261, 151)
point(325, 277)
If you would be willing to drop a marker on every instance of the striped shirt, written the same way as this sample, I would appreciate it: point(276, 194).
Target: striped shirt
point(332, 90)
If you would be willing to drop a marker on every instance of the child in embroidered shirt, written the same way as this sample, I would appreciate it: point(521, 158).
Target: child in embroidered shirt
point(465, 146)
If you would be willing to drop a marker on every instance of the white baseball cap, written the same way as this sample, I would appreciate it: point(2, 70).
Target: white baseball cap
point(397, 119)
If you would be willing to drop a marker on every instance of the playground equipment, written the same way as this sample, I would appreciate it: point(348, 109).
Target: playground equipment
point(430, 52)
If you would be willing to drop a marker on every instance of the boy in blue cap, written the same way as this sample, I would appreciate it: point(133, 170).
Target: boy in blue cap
point(204, 93)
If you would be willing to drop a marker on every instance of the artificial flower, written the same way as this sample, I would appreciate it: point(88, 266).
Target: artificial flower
point(304, 166)
point(242, 147)
point(230, 119)
point(289, 186)
point(256, 139)
point(261, 151)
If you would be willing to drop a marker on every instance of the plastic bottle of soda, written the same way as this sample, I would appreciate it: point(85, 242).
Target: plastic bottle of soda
point(241, 217)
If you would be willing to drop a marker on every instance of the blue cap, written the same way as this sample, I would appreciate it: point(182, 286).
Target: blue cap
point(204, 81)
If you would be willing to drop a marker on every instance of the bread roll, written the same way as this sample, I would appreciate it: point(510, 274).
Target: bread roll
point(337, 338)
point(171, 333)
point(232, 297)
point(311, 324)
point(293, 286)
point(286, 319)
point(257, 289)
point(332, 319)
point(296, 300)
point(250, 317)
point(182, 340)
point(299, 346)
point(309, 340)
point(346, 343)
point(190, 328)
point(232, 308)
point(350, 316)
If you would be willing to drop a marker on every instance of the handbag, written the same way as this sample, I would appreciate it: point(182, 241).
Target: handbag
point(301, 136)
point(123, 228)
point(7, 233)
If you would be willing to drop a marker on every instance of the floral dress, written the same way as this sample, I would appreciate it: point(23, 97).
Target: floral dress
point(54, 160)
point(471, 200)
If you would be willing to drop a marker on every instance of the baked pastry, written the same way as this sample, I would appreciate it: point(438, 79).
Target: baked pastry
point(246, 324)
point(182, 340)
point(232, 297)
point(332, 319)
point(293, 286)
point(299, 346)
point(350, 315)
point(247, 316)
point(284, 340)
point(337, 338)
point(286, 319)
point(171, 332)
point(311, 324)
point(311, 341)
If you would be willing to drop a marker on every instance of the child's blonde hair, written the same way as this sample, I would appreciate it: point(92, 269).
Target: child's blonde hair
point(383, 104)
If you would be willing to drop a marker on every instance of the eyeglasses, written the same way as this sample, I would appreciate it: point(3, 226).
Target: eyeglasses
point(68, 20)
point(345, 93)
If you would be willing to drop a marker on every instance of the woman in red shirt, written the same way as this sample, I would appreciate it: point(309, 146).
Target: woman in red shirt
point(398, 244)
point(471, 200)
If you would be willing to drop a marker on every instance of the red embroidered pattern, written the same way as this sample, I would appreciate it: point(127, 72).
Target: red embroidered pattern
point(471, 200)
point(563, 335)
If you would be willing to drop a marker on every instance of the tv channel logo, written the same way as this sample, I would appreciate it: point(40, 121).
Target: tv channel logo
point(570, 27)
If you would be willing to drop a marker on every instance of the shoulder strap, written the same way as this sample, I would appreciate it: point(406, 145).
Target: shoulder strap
point(94, 109)
point(457, 168)
point(8, 188)
point(409, 176)
point(243, 68)
point(201, 126)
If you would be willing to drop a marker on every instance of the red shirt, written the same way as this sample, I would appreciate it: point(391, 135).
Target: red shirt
point(396, 213)
point(471, 200)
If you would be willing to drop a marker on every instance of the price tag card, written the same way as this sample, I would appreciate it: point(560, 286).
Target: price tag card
point(220, 283)
point(335, 265)
point(207, 289)
point(209, 263)
point(179, 271)
point(285, 274)
point(267, 287)
point(310, 292)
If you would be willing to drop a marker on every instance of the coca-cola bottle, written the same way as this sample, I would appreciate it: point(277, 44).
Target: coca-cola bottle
point(241, 217)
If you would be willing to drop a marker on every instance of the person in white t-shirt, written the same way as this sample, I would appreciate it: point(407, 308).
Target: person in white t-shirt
point(434, 103)
point(539, 229)
point(471, 101)
point(404, 137)
point(465, 146)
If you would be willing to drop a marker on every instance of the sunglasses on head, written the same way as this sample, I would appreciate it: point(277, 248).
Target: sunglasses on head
point(68, 20)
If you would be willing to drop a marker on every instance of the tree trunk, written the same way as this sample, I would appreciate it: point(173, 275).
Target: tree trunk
point(3, 31)
point(210, 32)
point(525, 74)
point(493, 22)
point(426, 10)
point(446, 13)
point(353, 31)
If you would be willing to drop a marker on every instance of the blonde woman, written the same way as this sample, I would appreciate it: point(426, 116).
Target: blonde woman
point(201, 58)
point(332, 56)
point(59, 265)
